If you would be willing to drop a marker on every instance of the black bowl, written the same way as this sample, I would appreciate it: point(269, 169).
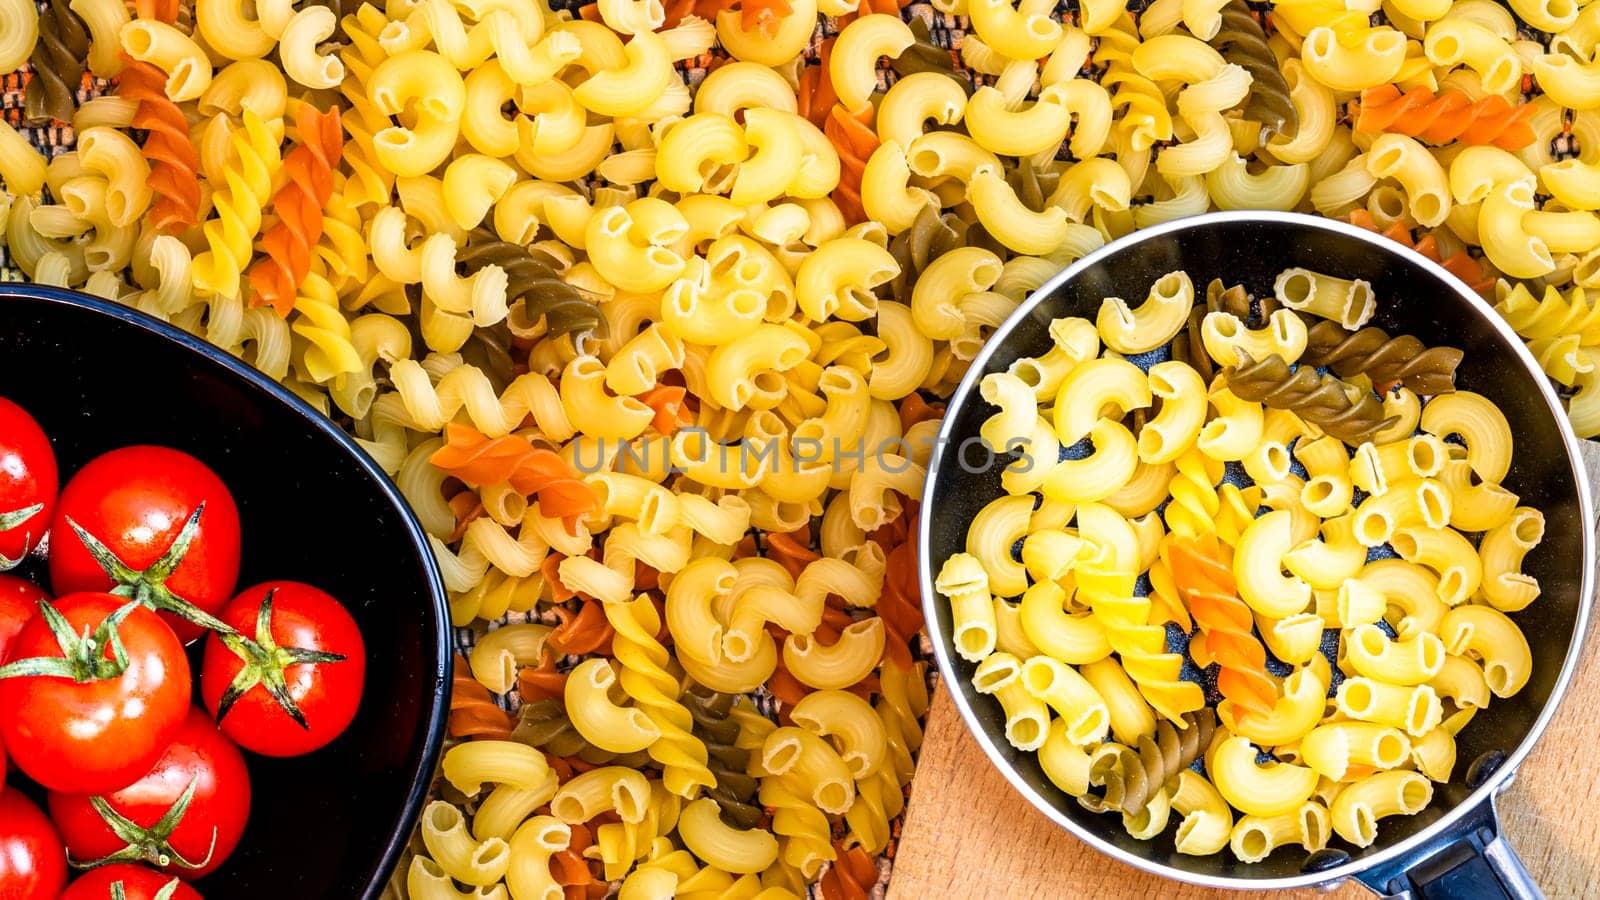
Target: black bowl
point(314, 508)
point(1415, 297)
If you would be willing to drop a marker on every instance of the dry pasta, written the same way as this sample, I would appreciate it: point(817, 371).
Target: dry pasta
point(668, 327)
point(1096, 690)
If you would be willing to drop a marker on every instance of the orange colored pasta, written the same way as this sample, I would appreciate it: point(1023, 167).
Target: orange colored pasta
point(564, 771)
point(473, 713)
point(815, 94)
point(174, 162)
point(851, 134)
point(853, 137)
point(1205, 579)
point(792, 549)
point(835, 619)
point(1446, 117)
point(675, 12)
point(852, 876)
point(708, 9)
point(160, 10)
point(764, 15)
point(868, 7)
point(897, 530)
point(298, 204)
point(569, 867)
point(671, 411)
point(465, 506)
point(754, 15)
point(900, 606)
point(746, 547)
point(541, 682)
point(1460, 264)
point(585, 631)
point(550, 569)
point(473, 457)
point(789, 690)
point(914, 409)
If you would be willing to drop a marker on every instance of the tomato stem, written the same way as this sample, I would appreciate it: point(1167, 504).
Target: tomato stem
point(152, 845)
point(83, 656)
point(10, 520)
point(149, 586)
point(118, 892)
point(264, 662)
point(14, 519)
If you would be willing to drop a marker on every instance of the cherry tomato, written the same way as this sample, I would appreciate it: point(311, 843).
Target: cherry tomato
point(32, 864)
point(28, 483)
point(163, 529)
point(184, 817)
point(82, 720)
point(291, 679)
point(19, 600)
point(138, 883)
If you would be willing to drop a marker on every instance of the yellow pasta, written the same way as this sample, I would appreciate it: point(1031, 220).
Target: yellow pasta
point(713, 311)
point(1156, 320)
point(19, 22)
point(1256, 790)
point(1078, 657)
point(1354, 814)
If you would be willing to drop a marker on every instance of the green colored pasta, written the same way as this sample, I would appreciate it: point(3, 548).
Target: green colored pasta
point(930, 236)
point(1242, 41)
point(534, 285)
point(1384, 359)
point(1322, 400)
point(1188, 348)
point(735, 791)
point(925, 56)
point(490, 350)
point(58, 65)
point(544, 724)
point(1132, 776)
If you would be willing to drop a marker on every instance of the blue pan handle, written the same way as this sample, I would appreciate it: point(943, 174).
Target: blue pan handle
point(1472, 860)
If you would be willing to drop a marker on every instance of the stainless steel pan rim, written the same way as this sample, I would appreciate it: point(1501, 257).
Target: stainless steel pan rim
point(1478, 800)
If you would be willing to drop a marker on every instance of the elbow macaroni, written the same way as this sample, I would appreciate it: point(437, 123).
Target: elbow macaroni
point(1423, 641)
point(659, 241)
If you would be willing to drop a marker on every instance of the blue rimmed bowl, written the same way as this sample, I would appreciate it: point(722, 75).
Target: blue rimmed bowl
point(314, 508)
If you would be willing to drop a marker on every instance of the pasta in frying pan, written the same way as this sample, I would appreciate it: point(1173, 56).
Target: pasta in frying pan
point(1077, 685)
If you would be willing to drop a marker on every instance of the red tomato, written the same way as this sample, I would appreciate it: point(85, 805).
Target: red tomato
point(19, 600)
point(32, 863)
point(138, 883)
point(79, 721)
point(291, 679)
point(137, 504)
point(184, 817)
point(28, 483)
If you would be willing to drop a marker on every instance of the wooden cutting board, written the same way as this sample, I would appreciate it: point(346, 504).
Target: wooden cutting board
point(969, 835)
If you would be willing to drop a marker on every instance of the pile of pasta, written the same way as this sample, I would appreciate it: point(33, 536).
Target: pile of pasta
point(648, 307)
point(1383, 519)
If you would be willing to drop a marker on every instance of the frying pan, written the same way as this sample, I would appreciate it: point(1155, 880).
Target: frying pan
point(1454, 848)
